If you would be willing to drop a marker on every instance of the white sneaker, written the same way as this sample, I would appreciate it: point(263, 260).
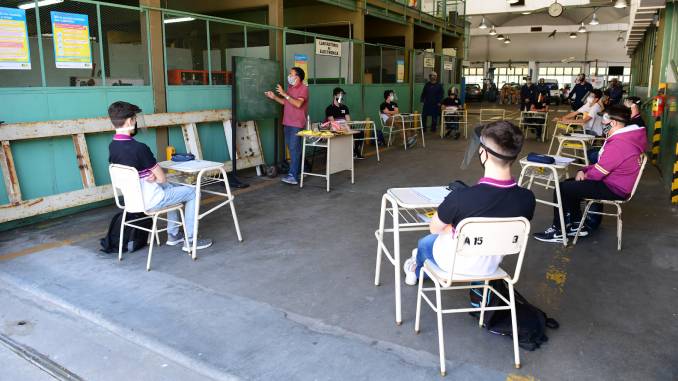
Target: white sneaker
point(410, 268)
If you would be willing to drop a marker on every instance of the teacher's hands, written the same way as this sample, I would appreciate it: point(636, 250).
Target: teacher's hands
point(279, 89)
point(269, 95)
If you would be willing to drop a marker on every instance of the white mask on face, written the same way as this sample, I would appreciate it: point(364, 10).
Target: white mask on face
point(339, 98)
point(291, 80)
point(590, 99)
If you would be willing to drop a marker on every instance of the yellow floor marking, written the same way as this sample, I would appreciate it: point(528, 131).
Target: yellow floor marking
point(556, 277)
point(51, 245)
point(519, 377)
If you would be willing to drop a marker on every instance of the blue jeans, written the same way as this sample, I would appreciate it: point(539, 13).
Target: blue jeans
point(175, 194)
point(293, 143)
point(425, 251)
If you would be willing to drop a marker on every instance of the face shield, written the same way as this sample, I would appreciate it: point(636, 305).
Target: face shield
point(340, 98)
point(138, 124)
point(474, 143)
point(394, 97)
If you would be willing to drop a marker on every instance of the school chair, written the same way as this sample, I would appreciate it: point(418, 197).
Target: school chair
point(616, 203)
point(125, 180)
point(461, 117)
point(477, 237)
point(533, 120)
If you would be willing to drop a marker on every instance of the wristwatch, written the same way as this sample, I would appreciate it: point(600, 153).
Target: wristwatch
point(287, 97)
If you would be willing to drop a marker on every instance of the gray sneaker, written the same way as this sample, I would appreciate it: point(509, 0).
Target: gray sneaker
point(173, 240)
point(289, 180)
point(200, 244)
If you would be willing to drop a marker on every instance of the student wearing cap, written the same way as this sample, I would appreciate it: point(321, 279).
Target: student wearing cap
point(155, 189)
point(337, 111)
point(634, 103)
point(431, 96)
point(387, 110)
point(612, 178)
point(451, 122)
point(495, 195)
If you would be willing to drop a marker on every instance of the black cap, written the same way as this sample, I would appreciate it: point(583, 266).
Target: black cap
point(119, 112)
point(620, 113)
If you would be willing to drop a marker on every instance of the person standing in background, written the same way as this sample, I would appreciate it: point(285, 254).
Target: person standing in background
point(616, 92)
point(295, 110)
point(528, 95)
point(431, 96)
point(579, 92)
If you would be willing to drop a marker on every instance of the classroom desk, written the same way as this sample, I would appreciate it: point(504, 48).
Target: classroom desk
point(404, 122)
point(365, 126)
point(339, 155)
point(549, 172)
point(407, 208)
point(577, 143)
point(207, 173)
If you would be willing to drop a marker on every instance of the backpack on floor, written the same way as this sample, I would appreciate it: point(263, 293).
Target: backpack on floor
point(132, 239)
point(532, 321)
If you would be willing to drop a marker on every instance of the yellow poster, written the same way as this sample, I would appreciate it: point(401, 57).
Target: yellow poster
point(400, 70)
point(14, 51)
point(72, 49)
point(301, 61)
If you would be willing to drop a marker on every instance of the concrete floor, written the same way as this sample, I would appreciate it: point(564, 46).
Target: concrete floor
point(296, 299)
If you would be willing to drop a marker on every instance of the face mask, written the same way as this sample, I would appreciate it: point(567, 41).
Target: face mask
point(135, 130)
point(590, 99)
point(291, 80)
point(628, 104)
point(339, 98)
point(480, 159)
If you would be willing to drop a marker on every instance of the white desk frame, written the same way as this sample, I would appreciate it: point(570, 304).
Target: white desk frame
point(403, 204)
point(399, 123)
point(549, 172)
point(339, 151)
point(204, 170)
point(463, 120)
point(363, 126)
point(578, 143)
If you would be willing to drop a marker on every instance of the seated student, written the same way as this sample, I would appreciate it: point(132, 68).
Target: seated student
point(496, 195)
point(589, 111)
point(157, 192)
point(387, 110)
point(612, 178)
point(452, 103)
point(540, 105)
point(337, 111)
point(634, 103)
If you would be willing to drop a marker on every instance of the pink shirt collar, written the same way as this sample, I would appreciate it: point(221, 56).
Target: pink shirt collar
point(497, 183)
point(122, 137)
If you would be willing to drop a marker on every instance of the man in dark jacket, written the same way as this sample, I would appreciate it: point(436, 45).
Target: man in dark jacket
point(616, 92)
point(528, 95)
point(431, 96)
point(579, 92)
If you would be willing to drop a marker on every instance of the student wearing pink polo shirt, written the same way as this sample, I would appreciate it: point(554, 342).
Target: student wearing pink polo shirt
point(295, 110)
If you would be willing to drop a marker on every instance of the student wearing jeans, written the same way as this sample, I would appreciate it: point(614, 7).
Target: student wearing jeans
point(495, 195)
point(155, 189)
point(295, 110)
point(611, 178)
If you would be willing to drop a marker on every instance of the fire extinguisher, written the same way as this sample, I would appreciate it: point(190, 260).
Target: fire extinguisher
point(658, 105)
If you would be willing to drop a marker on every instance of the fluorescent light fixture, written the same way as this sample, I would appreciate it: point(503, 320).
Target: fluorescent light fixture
point(482, 25)
point(582, 28)
point(178, 19)
point(594, 20)
point(500, 37)
point(573, 35)
point(620, 4)
point(507, 40)
point(493, 31)
point(512, 1)
point(41, 3)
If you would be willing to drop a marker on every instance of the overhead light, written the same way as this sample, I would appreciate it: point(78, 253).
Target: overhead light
point(493, 31)
point(573, 35)
point(582, 28)
point(507, 40)
point(500, 37)
point(41, 3)
point(178, 19)
point(594, 20)
point(620, 4)
point(482, 25)
point(512, 1)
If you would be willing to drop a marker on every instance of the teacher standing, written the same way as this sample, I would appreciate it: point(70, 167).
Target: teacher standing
point(431, 96)
point(295, 110)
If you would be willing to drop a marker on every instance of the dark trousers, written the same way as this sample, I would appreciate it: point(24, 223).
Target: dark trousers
point(574, 192)
point(434, 118)
point(525, 106)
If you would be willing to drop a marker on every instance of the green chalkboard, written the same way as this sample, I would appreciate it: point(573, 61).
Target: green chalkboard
point(252, 78)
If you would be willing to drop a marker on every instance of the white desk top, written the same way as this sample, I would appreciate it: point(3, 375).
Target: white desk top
point(419, 197)
point(191, 166)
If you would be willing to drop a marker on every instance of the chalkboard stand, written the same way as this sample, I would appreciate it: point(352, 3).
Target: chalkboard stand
point(232, 177)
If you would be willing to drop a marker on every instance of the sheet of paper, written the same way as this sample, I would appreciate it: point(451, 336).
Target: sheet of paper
point(434, 194)
point(561, 160)
point(192, 165)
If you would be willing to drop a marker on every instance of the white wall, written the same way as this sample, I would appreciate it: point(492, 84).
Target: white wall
point(537, 47)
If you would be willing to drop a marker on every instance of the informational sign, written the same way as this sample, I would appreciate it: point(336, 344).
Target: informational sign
point(72, 48)
point(448, 66)
point(429, 62)
point(597, 81)
point(14, 50)
point(327, 48)
point(301, 61)
point(400, 70)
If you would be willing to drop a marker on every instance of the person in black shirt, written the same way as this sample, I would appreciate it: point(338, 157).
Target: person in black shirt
point(528, 94)
point(337, 111)
point(387, 110)
point(451, 122)
point(540, 105)
point(431, 95)
point(580, 90)
point(155, 189)
point(495, 195)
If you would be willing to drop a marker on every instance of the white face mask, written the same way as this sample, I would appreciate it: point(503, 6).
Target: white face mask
point(339, 98)
point(291, 80)
point(590, 100)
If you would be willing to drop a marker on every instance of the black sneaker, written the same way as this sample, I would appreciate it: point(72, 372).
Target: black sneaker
point(411, 142)
point(572, 230)
point(551, 234)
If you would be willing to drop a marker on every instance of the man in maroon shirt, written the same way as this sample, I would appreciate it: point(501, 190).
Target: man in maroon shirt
point(295, 109)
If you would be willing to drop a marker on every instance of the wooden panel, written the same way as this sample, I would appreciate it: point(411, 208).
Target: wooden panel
point(191, 140)
point(10, 177)
point(84, 164)
point(35, 130)
point(53, 203)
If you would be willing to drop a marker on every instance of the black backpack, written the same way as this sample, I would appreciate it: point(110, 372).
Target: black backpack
point(532, 321)
point(132, 239)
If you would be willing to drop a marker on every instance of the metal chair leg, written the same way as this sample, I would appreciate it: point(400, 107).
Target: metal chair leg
point(122, 231)
point(150, 247)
